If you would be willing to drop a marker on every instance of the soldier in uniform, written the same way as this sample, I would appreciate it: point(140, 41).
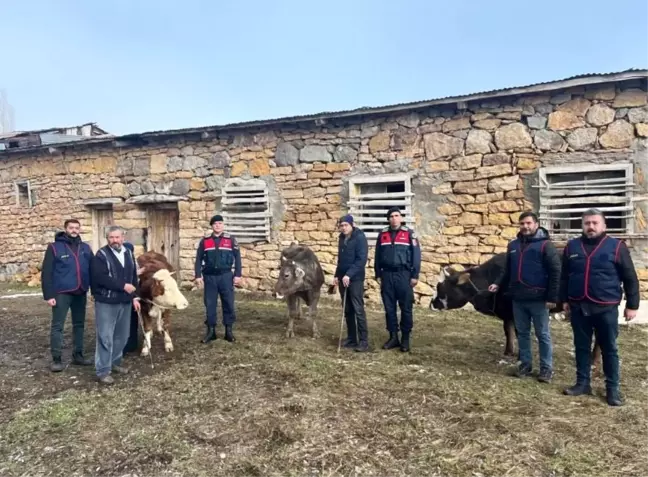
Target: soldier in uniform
point(213, 270)
point(397, 265)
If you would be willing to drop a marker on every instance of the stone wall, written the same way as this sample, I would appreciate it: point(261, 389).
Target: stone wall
point(472, 170)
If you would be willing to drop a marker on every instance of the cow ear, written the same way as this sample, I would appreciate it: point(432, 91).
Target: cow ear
point(463, 278)
point(299, 272)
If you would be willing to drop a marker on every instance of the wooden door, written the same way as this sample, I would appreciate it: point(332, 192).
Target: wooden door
point(102, 218)
point(163, 234)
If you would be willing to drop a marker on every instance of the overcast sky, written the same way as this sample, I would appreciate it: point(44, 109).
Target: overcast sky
point(134, 66)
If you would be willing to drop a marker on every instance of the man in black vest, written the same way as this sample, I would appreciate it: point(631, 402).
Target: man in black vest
point(595, 266)
point(215, 257)
point(532, 273)
point(114, 280)
point(350, 270)
point(65, 280)
point(397, 265)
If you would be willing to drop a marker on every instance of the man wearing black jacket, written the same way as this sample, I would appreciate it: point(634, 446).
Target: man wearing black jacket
point(595, 266)
point(65, 280)
point(114, 279)
point(350, 271)
point(532, 273)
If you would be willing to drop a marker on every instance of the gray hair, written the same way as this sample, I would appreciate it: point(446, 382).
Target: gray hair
point(115, 228)
point(591, 212)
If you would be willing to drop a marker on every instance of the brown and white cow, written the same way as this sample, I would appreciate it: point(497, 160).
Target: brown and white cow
point(159, 295)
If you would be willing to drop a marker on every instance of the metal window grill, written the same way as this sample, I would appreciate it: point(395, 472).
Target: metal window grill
point(568, 191)
point(370, 197)
point(246, 211)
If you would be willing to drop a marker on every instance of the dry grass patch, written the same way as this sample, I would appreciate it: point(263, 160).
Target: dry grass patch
point(268, 406)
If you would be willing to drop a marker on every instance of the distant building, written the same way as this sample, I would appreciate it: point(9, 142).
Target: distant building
point(43, 137)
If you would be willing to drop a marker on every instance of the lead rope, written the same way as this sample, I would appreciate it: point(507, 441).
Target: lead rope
point(482, 291)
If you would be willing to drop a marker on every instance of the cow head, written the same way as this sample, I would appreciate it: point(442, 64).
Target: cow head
point(451, 292)
point(165, 291)
point(291, 278)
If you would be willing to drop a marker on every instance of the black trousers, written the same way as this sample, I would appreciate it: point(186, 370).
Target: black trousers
point(395, 289)
point(222, 286)
point(133, 339)
point(606, 325)
point(354, 312)
point(76, 304)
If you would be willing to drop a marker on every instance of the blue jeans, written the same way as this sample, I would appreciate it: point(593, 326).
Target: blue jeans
point(524, 313)
point(112, 322)
point(606, 324)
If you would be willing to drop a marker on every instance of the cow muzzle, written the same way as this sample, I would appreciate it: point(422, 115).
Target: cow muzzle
point(182, 304)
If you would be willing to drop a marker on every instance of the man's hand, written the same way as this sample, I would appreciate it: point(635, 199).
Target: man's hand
point(413, 282)
point(630, 314)
point(51, 302)
point(336, 281)
point(200, 282)
point(137, 305)
point(550, 305)
point(493, 288)
point(378, 280)
point(128, 288)
point(140, 271)
point(237, 281)
point(345, 281)
point(566, 307)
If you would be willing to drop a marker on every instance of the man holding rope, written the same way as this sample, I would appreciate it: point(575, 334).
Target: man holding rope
point(350, 271)
point(114, 282)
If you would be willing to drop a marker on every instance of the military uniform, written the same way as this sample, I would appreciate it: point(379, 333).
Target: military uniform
point(214, 260)
point(397, 261)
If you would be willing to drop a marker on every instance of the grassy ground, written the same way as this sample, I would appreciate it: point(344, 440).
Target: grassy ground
point(268, 406)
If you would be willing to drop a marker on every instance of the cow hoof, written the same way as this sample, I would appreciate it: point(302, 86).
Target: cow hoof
point(145, 352)
point(290, 334)
point(316, 336)
point(168, 348)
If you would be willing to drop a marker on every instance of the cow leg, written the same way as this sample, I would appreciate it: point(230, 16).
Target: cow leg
point(509, 332)
point(293, 303)
point(166, 327)
point(312, 312)
point(148, 332)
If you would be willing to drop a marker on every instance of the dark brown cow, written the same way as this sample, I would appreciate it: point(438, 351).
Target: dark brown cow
point(159, 295)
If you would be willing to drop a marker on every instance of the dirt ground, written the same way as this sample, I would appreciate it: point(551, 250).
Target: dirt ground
point(270, 406)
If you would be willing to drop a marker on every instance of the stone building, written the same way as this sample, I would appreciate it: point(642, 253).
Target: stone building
point(462, 168)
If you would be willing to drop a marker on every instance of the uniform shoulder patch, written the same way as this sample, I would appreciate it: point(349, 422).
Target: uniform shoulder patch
point(385, 229)
point(225, 234)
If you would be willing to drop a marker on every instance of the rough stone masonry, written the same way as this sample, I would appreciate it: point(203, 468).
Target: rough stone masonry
point(472, 168)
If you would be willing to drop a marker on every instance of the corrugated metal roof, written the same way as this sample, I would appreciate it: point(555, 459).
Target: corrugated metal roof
point(577, 80)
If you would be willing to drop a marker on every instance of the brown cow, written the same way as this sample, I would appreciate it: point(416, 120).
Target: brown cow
point(159, 295)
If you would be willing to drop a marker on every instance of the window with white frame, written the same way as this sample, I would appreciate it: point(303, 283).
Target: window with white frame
point(246, 211)
point(23, 194)
point(370, 197)
point(568, 191)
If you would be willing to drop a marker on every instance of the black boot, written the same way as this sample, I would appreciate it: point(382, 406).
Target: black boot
point(228, 334)
point(613, 397)
point(363, 347)
point(405, 343)
point(578, 390)
point(350, 343)
point(392, 342)
point(210, 335)
point(79, 360)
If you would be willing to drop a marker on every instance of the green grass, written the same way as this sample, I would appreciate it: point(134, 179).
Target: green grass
point(271, 406)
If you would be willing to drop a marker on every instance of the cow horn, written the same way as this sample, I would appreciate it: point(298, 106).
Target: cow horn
point(172, 273)
point(283, 258)
point(446, 272)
